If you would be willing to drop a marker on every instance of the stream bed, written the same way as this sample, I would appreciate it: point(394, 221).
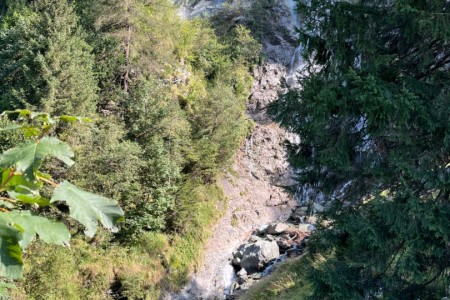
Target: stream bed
point(256, 188)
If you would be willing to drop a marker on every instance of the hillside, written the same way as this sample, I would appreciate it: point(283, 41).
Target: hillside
point(224, 149)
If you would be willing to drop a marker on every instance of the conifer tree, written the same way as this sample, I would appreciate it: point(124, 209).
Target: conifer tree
point(373, 116)
point(45, 61)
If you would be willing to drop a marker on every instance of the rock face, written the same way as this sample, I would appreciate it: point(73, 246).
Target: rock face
point(256, 189)
point(258, 255)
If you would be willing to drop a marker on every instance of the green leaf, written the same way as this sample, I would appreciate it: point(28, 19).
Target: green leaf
point(28, 196)
point(4, 287)
point(6, 204)
point(49, 231)
point(11, 127)
point(17, 182)
point(21, 112)
point(89, 208)
point(27, 158)
point(10, 251)
point(68, 119)
point(74, 119)
point(28, 131)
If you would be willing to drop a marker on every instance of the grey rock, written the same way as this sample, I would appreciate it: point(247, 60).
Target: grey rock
point(235, 286)
point(278, 228)
point(299, 214)
point(270, 238)
point(237, 293)
point(256, 276)
point(246, 285)
point(242, 273)
point(318, 207)
point(242, 276)
point(262, 230)
point(284, 244)
point(254, 239)
point(301, 210)
point(284, 181)
point(236, 261)
point(239, 253)
point(257, 255)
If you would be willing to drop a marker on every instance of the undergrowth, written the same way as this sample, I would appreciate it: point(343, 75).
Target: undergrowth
point(287, 282)
point(98, 269)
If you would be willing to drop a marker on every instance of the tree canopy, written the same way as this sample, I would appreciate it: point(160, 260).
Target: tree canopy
point(373, 114)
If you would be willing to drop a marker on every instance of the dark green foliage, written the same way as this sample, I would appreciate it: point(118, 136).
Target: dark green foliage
point(373, 115)
point(246, 48)
point(218, 124)
point(45, 62)
point(167, 98)
point(113, 163)
point(9, 138)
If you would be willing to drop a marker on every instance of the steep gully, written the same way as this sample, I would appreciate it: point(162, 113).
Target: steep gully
point(256, 189)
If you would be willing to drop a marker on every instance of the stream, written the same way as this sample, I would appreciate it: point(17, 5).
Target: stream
point(296, 62)
point(256, 189)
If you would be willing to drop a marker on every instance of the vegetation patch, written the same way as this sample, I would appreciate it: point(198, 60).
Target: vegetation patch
point(167, 101)
point(287, 282)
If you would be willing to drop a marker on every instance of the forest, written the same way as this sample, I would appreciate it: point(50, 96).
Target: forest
point(120, 117)
point(166, 101)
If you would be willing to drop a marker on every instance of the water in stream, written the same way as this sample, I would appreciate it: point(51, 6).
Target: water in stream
point(297, 62)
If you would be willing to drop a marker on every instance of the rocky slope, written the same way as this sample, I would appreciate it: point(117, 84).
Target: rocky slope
point(256, 186)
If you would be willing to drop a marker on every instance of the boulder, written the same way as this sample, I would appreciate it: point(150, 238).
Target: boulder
point(298, 215)
point(239, 252)
point(318, 207)
point(236, 261)
point(246, 285)
point(257, 276)
point(294, 252)
point(278, 228)
point(284, 243)
point(301, 211)
point(262, 230)
point(242, 276)
point(257, 256)
point(242, 273)
point(235, 286)
point(270, 238)
point(284, 181)
point(254, 239)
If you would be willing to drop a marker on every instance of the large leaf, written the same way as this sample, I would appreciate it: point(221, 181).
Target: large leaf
point(49, 231)
point(27, 158)
point(23, 190)
point(28, 196)
point(10, 251)
point(88, 208)
point(12, 183)
point(4, 288)
point(29, 131)
point(11, 127)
